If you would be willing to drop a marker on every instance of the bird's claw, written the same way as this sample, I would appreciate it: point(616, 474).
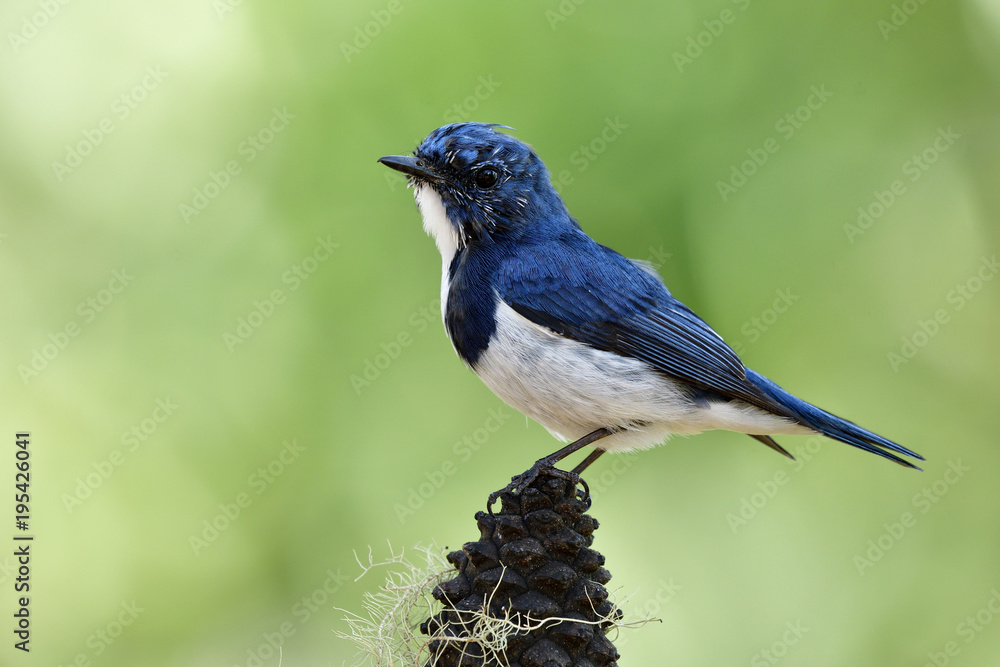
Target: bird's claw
point(519, 483)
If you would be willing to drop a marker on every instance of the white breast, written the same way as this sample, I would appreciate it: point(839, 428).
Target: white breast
point(573, 389)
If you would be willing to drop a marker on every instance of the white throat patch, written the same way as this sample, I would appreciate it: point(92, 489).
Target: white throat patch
point(445, 235)
point(436, 221)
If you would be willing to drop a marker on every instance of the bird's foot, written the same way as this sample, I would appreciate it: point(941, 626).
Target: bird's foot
point(547, 465)
point(519, 483)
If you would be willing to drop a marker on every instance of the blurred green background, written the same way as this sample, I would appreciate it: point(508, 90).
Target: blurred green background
point(215, 301)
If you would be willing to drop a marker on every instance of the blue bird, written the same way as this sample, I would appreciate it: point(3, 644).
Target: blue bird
point(586, 342)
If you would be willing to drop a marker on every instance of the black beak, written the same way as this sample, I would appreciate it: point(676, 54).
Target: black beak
point(411, 166)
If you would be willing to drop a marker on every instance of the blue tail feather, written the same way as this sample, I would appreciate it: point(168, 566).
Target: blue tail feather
point(831, 425)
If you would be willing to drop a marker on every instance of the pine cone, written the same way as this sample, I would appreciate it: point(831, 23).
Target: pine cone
point(532, 562)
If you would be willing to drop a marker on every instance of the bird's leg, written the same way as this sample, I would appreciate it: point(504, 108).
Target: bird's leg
point(547, 464)
point(584, 464)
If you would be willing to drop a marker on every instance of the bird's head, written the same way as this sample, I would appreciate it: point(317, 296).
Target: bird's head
point(474, 184)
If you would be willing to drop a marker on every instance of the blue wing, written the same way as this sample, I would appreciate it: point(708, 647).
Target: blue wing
point(590, 293)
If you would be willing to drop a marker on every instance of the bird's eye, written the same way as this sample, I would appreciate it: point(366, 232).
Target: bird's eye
point(486, 178)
